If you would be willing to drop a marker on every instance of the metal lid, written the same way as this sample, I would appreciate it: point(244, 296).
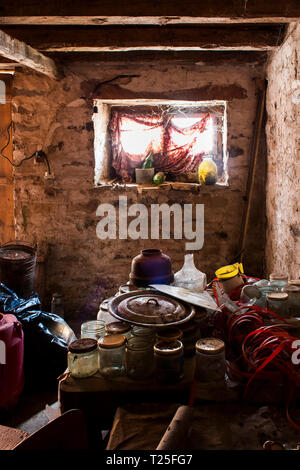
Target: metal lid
point(291, 288)
point(277, 296)
point(151, 306)
point(117, 327)
point(137, 344)
point(168, 347)
point(210, 346)
point(278, 277)
point(169, 334)
point(295, 282)
point(83, 345)
point(111, 341)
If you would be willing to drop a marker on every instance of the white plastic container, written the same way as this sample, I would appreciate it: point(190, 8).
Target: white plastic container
point(189, 276)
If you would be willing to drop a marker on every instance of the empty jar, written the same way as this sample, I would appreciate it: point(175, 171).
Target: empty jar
point(118, 328)
point(144, 333)
point(93, 329)
point(278, 303)
point(210, 360)
point(278, 280)
point(168, 357)
point(168, 334)
point(139, 359)
point(191, 334)
point(293, 300)
point(83, 358)
point(112, 355)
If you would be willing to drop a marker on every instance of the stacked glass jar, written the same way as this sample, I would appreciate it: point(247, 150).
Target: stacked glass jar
point(168, 356)
point(210, 360)
point(118, 328)
point(93, 329)
point(83, 358)
point(112, 355)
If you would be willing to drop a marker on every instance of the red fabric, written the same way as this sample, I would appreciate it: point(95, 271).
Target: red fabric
point(161, 134)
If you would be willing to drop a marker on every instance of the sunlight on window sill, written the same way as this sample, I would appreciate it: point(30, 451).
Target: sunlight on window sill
point(166, 186)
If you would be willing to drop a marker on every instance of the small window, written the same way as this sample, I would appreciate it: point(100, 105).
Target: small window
point(177, 135)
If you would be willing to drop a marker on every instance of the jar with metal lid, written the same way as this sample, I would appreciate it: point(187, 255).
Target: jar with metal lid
point(210, 360)
point(201, 320)
point(278, 280)
point(278, 303)
point(93, 329)
point(112, 355)
point(83, 358)
point(118, 328)
point(191, 334)
point(144, 333)
point(139, 359)
point(168, 357)
point(168, 334)
point(293, 300)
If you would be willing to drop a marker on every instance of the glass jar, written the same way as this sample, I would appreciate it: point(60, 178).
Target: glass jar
point(293, 300)
point(112, 355)
point(139, 359)
point(168, 358)
point(83, 358)
point(201, 320)
point(144, 333)
point(118, 328)
point(93, 329)
point(278, 280)
point(191, 334)
point(168, 334)
point(278, 303)
point(207, 171)
point(210, 360)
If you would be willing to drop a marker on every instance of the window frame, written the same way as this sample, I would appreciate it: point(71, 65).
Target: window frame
point(104, 173)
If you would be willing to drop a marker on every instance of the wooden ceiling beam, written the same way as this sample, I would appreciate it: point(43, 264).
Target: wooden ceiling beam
point(138, 20)
point(150, 38)
point(197, 58)
point(147, 11)
point(18, 51)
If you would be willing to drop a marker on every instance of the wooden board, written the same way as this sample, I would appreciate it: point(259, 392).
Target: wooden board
point(10, 437)
point(7, 229)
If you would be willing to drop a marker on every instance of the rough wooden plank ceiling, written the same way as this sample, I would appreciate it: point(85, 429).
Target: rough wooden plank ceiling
point(131, 38)
point(18, 51)
point(148, 11)
point(197, 58)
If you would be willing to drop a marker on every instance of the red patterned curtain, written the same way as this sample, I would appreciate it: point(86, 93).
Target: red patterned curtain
point(175, 147)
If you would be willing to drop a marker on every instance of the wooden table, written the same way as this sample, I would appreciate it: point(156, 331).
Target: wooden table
point(99, 397)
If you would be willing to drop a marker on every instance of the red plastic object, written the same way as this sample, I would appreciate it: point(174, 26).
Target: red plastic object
point(11, 360)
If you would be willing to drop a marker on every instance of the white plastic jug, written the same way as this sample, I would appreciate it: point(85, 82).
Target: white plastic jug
point(189, 276)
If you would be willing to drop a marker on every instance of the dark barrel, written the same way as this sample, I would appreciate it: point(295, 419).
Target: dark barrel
point(17, 267)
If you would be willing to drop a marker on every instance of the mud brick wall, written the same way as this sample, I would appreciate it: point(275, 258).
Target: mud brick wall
point(62, 215)
point(283, 183)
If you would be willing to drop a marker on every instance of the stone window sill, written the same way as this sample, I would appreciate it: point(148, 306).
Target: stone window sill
point(168, 185)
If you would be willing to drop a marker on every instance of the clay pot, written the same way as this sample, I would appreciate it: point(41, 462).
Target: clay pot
point(151, 267)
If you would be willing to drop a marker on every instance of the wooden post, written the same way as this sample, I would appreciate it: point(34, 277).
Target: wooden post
point(7, 228)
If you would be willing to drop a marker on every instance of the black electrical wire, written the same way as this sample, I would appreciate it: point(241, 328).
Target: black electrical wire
point(17, 165)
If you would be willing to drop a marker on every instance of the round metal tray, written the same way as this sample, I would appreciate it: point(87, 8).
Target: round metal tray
point(114, 303)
